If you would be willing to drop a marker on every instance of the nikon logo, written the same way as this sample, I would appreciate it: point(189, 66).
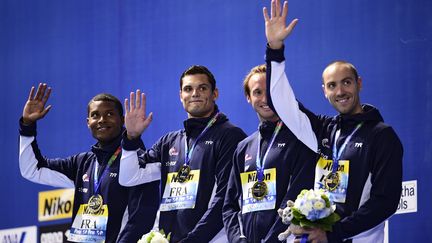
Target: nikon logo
point(55, 204)
point(175, 178)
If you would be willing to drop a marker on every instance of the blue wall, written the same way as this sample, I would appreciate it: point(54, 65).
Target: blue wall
point(84, 47)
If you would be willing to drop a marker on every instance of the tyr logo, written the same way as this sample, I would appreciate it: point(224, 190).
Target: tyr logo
point(325, 142)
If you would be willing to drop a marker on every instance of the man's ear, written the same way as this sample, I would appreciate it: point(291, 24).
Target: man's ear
point(360, 83)
point(88, 125)
point(324, 91)
point(215, 94)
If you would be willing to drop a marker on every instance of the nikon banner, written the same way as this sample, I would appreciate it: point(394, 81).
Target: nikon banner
point(55, 204)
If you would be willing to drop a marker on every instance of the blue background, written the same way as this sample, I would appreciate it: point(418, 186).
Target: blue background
point(81, 48)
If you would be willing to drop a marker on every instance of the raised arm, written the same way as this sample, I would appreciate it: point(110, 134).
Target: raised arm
point(280, 95)
point(34, 108)
point(136, 120)
point(33, 166)
point(133, 167)
point(275, 25)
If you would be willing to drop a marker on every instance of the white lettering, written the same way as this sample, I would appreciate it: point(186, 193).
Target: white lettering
point(52, 237)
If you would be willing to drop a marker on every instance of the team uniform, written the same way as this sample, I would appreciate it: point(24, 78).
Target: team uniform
point(288, 168)
point(124, 208)
point(365, 181)
point(190, 210)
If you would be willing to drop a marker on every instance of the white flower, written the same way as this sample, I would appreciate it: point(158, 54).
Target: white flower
point(154, 237)
point(146, 238)
point(311, 204)
point(318, 205)
point(159, 238)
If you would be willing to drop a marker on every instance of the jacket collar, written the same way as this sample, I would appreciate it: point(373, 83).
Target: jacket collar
point(194, 126)
point(103, 153)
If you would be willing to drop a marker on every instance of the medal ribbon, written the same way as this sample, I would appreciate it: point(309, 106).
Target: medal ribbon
point(337, 154)
point(97, 182)
point(188, 153)
point(260, 167)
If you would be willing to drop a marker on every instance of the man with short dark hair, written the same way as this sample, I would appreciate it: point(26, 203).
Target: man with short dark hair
point(195, 161)
point(360, 164)
point(100, 202)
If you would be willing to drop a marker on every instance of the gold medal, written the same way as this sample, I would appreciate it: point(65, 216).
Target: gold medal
point(259, 190)
point(95, 204)
point(331, 181)
point(183, 173)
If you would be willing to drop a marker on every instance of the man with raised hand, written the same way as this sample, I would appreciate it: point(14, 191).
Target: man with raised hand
point(270, 167)
point(194, 161)
point(360, 157)
point(100, 202)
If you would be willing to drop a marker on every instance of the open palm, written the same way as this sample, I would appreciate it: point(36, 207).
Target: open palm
point(35, 109)
point(275, 24)
point(136, 120)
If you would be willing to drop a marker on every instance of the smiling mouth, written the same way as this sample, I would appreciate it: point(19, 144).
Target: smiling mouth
point(343, 100)
point(102, 128)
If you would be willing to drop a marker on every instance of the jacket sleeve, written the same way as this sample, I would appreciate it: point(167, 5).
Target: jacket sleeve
point(231, 210)
point(143, 203)
point(137, 165)
point(385, 183)
point(36, 168)
point(211, 222)
point(281, 99)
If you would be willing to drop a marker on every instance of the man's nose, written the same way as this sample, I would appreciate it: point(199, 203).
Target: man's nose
point(102, 119)
point(339, 90)
point(195, 93)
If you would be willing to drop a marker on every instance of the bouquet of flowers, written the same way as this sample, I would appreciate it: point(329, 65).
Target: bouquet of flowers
point(155, 237)
point(312, 208)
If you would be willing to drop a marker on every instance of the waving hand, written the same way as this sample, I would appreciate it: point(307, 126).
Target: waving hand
point(136, 120)
point(35, 109)
point(275, 25)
